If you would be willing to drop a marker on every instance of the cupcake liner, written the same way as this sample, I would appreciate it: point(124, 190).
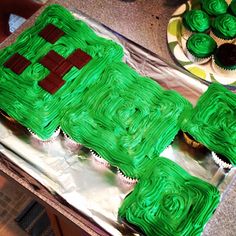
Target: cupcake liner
point(126, 180)
point(195, 59)
point(220, 162)
point(4, 114)
point(99, 160)
point(51, 139)
point(220, 70)
point(185, 32)
point(70, 143)
point(220, 41)
point(192, 142)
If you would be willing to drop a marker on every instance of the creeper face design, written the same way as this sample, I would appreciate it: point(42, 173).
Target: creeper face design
point(49, 66)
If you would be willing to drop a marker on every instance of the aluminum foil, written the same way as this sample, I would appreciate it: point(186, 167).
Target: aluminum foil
point(93, 189)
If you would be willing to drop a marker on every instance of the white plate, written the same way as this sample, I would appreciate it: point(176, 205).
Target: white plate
point(177, 45)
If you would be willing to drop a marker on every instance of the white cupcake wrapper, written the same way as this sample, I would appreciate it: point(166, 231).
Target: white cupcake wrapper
point(220, 70)
point(219, 162)
point(50, 140)
point(126, 180)
point(220, 41)
point(196, 60)
point(99, 160)
point(70, 143)
point(185, 32)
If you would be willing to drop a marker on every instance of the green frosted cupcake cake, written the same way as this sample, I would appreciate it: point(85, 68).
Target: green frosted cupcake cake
point(214, 7)
point(224, 29)
point(168, 201)
point(200, 47)
point(212, 123)
point(224, 60)
point(195, 21)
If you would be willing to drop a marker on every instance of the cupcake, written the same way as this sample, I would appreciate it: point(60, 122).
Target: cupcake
point(221, 161)
point(4, 114)
point(98, 160)
point(224, 29)
point(214, 7)
point(232, 8)
point(200, 47)
point(124, 180)
point(224, 60)
point(51, 139)
point(192, 142)
point(195, 21)
point(70, 144)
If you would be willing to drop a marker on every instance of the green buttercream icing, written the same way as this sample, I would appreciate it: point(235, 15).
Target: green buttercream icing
point(126, 118)
point(224, 26)
point(21, 96)
point(201, 45)
point(232, 8)
point(213, 121)
point(196, 21)
point(168, 201)
point(214, 7)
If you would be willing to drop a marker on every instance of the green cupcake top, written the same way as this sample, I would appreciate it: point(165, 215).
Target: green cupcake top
point(196, 21)
point(201, 45)
point(214, 7)
point(232, 8)
point(224, 26)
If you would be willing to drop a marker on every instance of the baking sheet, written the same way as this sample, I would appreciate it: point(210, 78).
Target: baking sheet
point(95, 191)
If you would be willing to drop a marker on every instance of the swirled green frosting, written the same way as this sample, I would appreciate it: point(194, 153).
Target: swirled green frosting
point(224, 26)
point(232, 8)
point(169, 201)
point(196, 21)
point(21, 96)
point(201, 45)
point(126, 118)
point(214, 7)
point(213, 121)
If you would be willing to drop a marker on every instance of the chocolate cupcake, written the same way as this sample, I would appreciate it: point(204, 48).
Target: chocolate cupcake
point(232, 8)
point(224, 60)
point(224, 29)
point(195, 21)
point(214, 7)
point(200, 47)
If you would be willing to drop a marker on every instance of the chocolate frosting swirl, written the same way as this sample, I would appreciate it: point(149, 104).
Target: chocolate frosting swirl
point(226, 56)
point(169, 201)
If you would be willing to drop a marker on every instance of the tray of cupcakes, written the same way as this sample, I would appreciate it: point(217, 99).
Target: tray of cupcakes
point(130, 154)
point(202, 38)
